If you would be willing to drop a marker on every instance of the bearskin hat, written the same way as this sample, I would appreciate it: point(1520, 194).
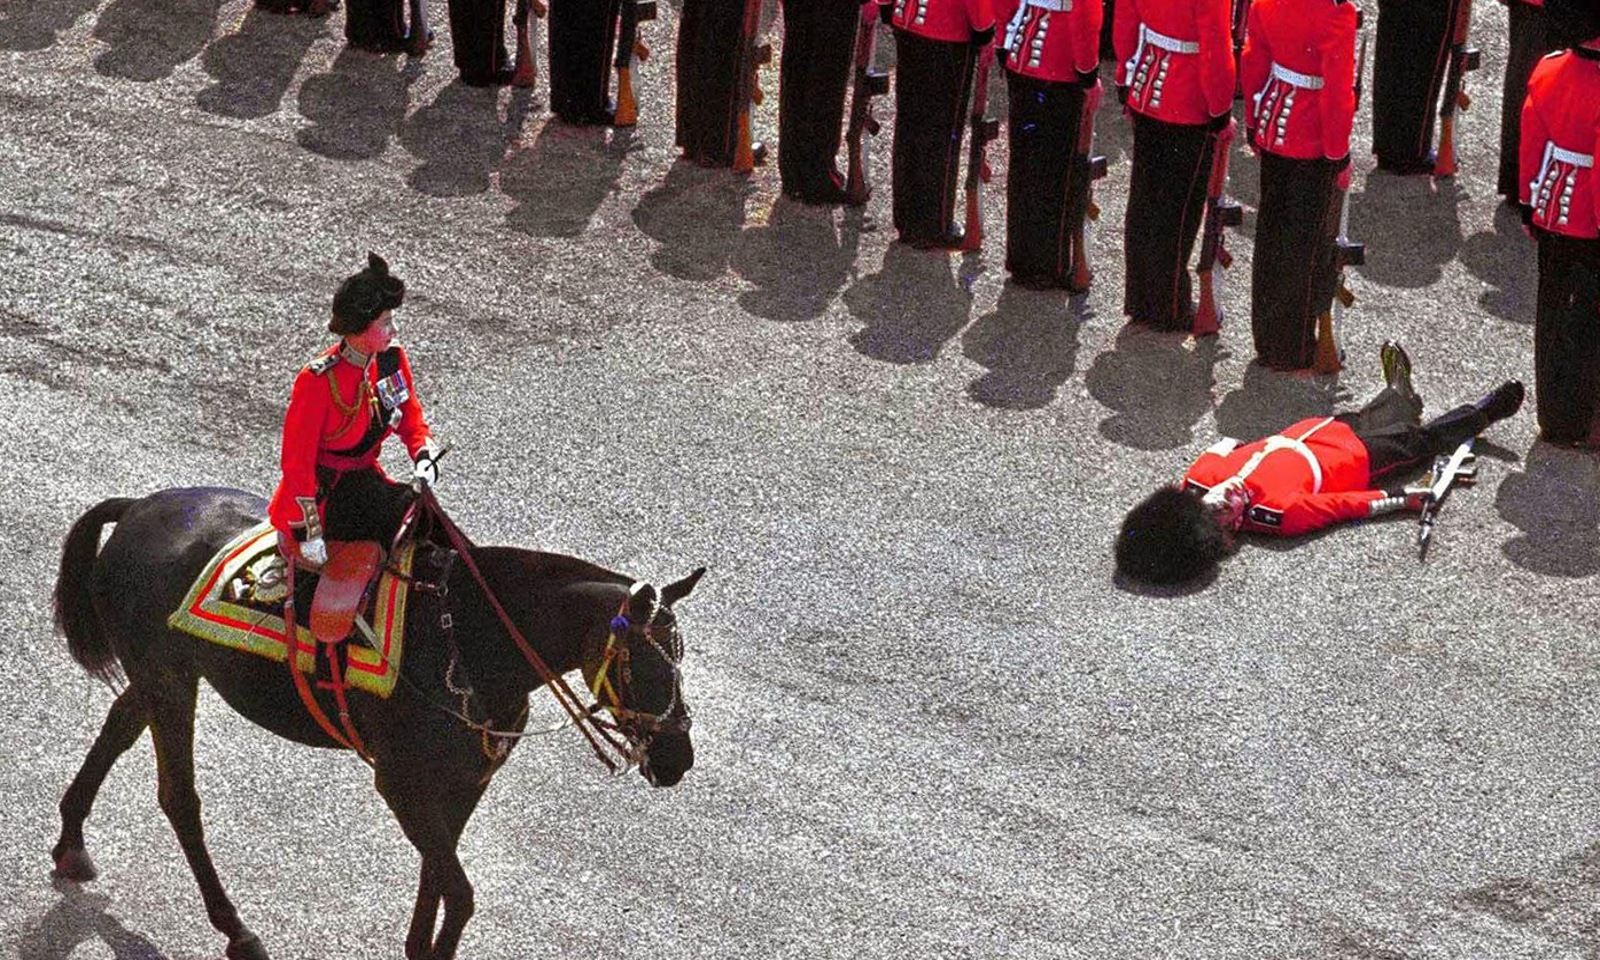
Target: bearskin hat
point(363, 296)
point(1170, 538)
point(1574, 21)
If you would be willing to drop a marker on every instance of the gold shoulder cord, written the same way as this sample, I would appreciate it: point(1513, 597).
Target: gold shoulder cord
point(349, 412)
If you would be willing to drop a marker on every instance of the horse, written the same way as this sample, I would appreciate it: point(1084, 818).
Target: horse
point(429, 743)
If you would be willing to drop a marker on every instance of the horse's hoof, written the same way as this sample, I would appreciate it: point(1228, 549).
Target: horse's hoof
point(247, 947)
point(74, 865)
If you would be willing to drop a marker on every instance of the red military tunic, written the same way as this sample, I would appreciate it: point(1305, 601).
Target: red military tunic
point(1298, 75)
point(1311, 475)
point(952, 21)
point(1560, 128)
point(1056, 40)
point(332, 407)
point(1175, 57)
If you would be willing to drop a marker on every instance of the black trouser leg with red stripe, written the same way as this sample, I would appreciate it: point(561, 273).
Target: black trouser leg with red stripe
point(818, 51)
point(708, 80)
point(377, 25)
point(933, 80)
point(1531, 38)
point(1566, 337)
point(478, 34)
point(1046, 193)
point(1408, 71)
point(1391, 428)
point(1166, 202)
point(583, 36)
point(1295, 270)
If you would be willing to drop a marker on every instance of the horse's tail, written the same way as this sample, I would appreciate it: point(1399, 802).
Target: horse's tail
point(74, 609)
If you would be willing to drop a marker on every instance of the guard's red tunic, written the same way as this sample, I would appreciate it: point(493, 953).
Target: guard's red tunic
point(949, 20)
point(1056, 40)
point(332, 407)
point(1175, 57)
point(1560, 129)
point(1311, 475)
point(1298, 73)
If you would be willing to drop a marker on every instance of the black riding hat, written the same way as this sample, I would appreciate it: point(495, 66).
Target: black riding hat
point(1574, 21)
point(363, 296)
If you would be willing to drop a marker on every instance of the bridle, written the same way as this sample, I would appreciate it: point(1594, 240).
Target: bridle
point(614, 676)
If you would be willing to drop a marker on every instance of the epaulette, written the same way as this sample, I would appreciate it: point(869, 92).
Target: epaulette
point(323, 364)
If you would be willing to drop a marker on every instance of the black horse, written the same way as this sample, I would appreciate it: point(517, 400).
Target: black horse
point(433, 749)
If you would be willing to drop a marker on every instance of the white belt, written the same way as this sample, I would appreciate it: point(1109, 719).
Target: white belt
point(1304, 81)
point(1164, 42)
point(1297, 444)
point(1057, 6)
point(1572, 157)
point(1554, 154)
point(1015, 26)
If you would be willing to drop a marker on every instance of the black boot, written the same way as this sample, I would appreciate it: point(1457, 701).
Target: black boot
point(1503, 401)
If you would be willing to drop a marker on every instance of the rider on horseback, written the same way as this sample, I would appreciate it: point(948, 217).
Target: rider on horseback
point(344, 404)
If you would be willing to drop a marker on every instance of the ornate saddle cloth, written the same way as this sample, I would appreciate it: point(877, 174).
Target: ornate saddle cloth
point(237, 601)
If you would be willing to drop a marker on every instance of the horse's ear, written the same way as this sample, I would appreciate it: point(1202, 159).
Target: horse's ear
point(641, 602)
point(678, 589)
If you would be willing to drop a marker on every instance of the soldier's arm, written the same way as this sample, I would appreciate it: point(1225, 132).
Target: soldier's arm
point(1213, 19)
point(1313, 511)
point(413, 429)
point(1086, 43)
point(1124, 36)
point(981, 19)
point(302, 433)
point(1255, 62)
point(1339, 78)
point(1530, 152)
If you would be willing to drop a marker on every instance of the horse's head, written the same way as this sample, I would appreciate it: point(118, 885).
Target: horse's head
point(638, 679)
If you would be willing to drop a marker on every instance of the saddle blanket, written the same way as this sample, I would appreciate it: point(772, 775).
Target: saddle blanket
point(237, 601)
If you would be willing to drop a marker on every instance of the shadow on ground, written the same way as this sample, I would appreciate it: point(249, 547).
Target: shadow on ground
point(148, 39)
point(1158, 386)
point(911, 307)
point(80, 917)
point(253, 66)
point(798, 261)
point(560, 179)
point(1555, 502)
point(1028, 345)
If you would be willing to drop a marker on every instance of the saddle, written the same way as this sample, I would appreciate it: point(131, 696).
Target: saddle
point(342, 588)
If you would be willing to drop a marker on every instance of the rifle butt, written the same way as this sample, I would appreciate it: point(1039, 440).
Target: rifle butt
point(1207, 316)
point(973, 238)
point(1327, 358)
point(856, 191)
point(744, 158)
point(627, 113)
point(1082, 276)
point(1444, 164)
point(525, 74)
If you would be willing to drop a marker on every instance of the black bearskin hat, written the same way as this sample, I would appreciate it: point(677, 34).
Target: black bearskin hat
point(1170, 538)
point(362, 297)
point(1574, 21)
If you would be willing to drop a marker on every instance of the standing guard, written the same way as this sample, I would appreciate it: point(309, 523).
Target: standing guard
point(1298, 72)
point(1561, 206)
point(718, 58)
point(1531, 38)
point(1176, 75)
point(375, 25)
point(937, 43)
point(583, 36)
point(1051, 52)
point(478, 34)
point(1410, 61)
point(818, 43)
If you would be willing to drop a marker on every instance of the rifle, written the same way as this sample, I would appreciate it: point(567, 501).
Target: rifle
point(752, 57)
point(1091, 168)
point(630, 48)
point(1241, 14)
point(868, 83)
point(983, 130)
point(1459, 467)
point(1221, 213)
point(526, 74)
point(1462, 59)
point(421, 37)
point(1347, 253)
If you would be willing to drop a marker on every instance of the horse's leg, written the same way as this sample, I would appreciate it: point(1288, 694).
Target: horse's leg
point(172, 727)
point(433, 821)
point(123, 725)
point(419, 942)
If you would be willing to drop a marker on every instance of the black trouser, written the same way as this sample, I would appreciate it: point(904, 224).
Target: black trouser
point(361, 504)
point(1408, 71)
point(710, 38)
point(583, 36)
point(932, 83)
point(1391, 428)
point(1295, 270)
point(1166, 202)
point(478, 34)
point(1566, 337)
point(818, 48)
point(1108, 46)
point(1531, 38)
point(1047, 181)
point(375, 24)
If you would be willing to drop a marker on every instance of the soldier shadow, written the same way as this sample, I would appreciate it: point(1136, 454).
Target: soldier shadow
point(461, 139)
point(911, 307)
point(357, 106)
point(561, 178)
point(696, 216)
point(797, 262)
point(1158, 386)
point(1269, 400)
point(1028, 344)
point(37, 24)
point(1555, 502)
point(253, 66)
point(1508, 263)
point(1411, 230)
point(149, 39)
point(80, 917)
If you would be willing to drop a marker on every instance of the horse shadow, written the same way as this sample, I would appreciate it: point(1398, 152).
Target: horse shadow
point(149, 39)
point(1269, 400)
point(798, 261)
point(1028, 345)
point(1158, 386)
point(356, 106)
point(1411, 226)
point(1554, 501)
point(78, 918)
point(37, 24)
point(912, 306)
point(1508, 263)
point(461, 139)
point(561, 178)
point(696, 216)
point(253, 66)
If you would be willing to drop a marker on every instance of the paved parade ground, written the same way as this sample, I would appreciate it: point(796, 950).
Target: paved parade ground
point(929, 720)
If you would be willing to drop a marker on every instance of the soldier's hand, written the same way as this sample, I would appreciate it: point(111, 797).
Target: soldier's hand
point(1092, 97)
point(314, 552)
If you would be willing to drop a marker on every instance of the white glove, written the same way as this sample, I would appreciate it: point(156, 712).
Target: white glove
point(425, 472)
point(314, 552)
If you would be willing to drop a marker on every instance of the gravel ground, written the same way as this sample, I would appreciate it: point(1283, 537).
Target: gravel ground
point(929, 722)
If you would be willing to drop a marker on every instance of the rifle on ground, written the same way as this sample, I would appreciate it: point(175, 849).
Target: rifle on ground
point(1221, 213)
point(752, 57)
point(1462, 59)
point(526, 74)
point(1091, 168)
point(868, 83)
point(1460, 467)
point(629, 49)
point(421, 37)
point(1346, 253)
point(983, 131)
